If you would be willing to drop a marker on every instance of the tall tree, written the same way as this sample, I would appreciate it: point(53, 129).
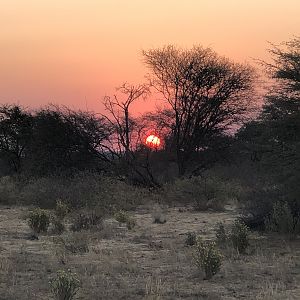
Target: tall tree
point(274, 138)
point(63, 139)
point(208, 95)
point(126, 141)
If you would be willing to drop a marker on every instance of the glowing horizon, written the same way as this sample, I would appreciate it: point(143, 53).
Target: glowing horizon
point(75, 52)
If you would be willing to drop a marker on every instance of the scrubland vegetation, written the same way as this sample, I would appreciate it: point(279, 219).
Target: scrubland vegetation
point(89, 212)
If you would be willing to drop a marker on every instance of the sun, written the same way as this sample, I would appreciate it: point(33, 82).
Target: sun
point(153, 141)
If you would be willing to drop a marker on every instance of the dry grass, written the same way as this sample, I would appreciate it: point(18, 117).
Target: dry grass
point(150, 261)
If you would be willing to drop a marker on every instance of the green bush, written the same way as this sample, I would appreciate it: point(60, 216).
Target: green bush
point(65, 285)
point(239, 236)
point(207, 257)
point(61, 209)
point(123, 217)
point(281, 220)
point(39, 220)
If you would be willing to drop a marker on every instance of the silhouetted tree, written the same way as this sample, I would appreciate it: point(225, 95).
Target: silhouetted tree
point(63, 139)
point(274, 138)
point(15, 135)
point(208, 95)
point(126, 141)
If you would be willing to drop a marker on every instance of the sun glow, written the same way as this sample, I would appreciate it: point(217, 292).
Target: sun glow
point(153, 141)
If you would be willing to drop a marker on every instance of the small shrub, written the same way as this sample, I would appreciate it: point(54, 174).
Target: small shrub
point(281, 219)
point(123, 217)
point(86, 221)
point(221, 234)
point(191, 239)
point(61, 209)
point(65, 286)
point(207, 257)
point(239, 236)
point(39, 220)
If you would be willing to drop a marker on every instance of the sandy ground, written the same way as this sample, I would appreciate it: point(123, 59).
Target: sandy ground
point(149, 262)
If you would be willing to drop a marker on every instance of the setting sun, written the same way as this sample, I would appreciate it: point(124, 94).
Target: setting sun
point(153, 141)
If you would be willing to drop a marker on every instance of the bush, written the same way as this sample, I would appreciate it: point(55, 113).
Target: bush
point(123, 217)
point(239, 236)
point(81, 190)
point(207, 257)
point(191, 239)
point(281, 220)
point(39, 220)
point(203, 193)
point(61, 209)
point(86, 221)
point(65, 286)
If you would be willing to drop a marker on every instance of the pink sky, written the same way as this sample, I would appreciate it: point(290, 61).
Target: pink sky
point(75, 52)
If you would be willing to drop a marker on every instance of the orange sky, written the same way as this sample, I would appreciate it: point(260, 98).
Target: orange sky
point(73, 52)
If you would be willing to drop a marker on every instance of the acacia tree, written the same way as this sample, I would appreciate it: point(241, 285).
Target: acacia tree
point(208, 95)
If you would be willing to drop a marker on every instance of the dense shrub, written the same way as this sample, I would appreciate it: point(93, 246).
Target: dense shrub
point(281, 220)
point(124, 217)
point(207, 257)
point(65, 285)
point(84, 189)
point(239, 236)
point(39, 220)
point(203, 193)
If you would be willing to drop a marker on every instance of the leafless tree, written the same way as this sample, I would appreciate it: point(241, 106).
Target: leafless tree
point(208, 94)
point(119, 117)
point(127, 138)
